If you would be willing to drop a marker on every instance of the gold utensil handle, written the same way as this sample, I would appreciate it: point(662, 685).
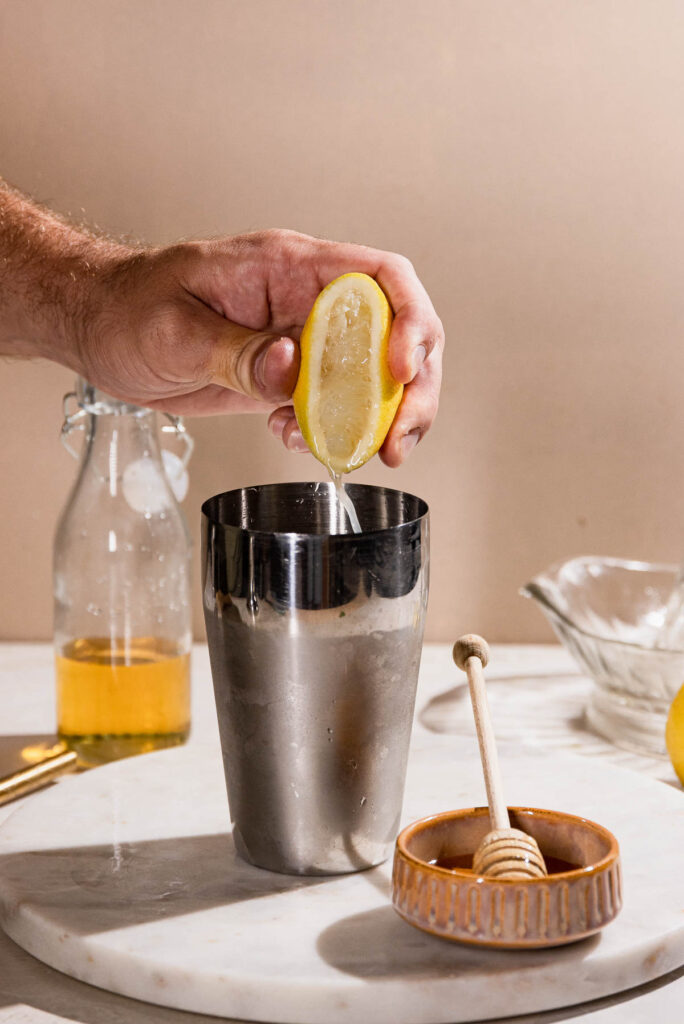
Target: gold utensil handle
point(28, 779)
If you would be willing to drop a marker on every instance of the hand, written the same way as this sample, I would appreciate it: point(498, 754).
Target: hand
point(212, 327)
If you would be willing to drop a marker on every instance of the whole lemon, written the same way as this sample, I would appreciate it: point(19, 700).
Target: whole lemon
point(674, 734)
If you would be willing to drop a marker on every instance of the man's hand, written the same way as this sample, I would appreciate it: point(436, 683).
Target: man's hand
point(203, 327)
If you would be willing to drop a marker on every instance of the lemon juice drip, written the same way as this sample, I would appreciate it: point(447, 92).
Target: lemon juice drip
point(345, 501)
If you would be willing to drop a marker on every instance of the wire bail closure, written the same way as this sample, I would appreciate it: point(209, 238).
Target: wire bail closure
point(76, 420)
point(177, 427)
point(72, 421)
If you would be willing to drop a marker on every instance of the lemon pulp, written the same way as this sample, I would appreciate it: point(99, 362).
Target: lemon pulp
point(346, 397)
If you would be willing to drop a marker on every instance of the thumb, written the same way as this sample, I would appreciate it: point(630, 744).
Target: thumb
point(255, 363)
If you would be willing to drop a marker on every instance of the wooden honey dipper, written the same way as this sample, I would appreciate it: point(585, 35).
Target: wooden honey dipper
point(504, 852)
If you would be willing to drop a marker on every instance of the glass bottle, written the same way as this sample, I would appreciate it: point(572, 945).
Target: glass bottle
point(121, 571)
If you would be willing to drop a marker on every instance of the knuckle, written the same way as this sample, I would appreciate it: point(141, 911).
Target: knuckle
point(243, 360)
point(238, 369)
point(266, 239)
point(438, 331)
point(430, 410)
point(280, 247)
point(251, 246)
point(435, 342)
point(422, 414)
point(432, 331)
point(403, 264)
point(279, 239)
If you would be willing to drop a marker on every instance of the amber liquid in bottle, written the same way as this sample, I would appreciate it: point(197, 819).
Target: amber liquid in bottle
point(116, 699)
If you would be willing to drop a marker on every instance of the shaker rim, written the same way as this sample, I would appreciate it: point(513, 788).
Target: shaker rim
point(213, 518)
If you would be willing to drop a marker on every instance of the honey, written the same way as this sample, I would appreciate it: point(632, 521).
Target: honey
point(464, 862)
point(115, 699)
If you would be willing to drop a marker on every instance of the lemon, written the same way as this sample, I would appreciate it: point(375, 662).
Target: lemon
point(346, 398)
point(674, 734)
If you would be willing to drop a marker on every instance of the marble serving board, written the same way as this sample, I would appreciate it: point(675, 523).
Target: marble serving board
point(126, 878)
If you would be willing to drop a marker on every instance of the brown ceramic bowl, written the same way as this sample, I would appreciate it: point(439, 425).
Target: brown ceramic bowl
point(581, 894)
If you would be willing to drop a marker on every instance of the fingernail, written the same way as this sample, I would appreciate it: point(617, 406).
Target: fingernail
point(296, 442)
point(419, 357)
point(275, 370)
point(409, 442)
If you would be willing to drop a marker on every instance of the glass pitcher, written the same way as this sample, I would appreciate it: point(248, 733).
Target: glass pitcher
point(121, 572)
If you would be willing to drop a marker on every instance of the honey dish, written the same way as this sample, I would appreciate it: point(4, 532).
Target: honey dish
point(435, 889)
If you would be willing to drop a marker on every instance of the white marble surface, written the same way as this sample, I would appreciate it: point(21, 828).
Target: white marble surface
point(126, 878)
point(29, 991)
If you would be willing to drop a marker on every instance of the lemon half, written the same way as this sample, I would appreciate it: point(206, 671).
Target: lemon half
point(674, 734)
point(346, 398)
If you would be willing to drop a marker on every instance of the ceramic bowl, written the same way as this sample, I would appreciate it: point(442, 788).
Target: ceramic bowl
point(581, 894)
point(608, 613)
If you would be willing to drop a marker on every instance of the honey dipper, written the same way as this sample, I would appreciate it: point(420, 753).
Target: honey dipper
point(504, 852)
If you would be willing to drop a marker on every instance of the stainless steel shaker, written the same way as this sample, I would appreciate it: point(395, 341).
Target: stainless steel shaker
point(314, 637)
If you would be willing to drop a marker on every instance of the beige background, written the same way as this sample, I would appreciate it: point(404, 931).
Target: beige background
point(527, 156)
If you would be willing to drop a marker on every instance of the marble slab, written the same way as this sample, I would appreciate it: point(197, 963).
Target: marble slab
point(126, 878)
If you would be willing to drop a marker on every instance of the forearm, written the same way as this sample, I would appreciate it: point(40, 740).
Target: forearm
point(48, 270)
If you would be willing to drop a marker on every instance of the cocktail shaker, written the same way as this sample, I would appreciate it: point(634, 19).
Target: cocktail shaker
point(315, 637)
